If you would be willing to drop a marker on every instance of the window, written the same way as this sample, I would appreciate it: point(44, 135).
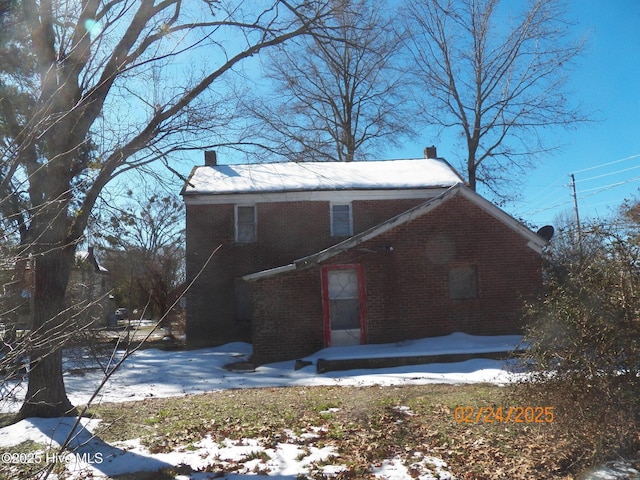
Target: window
point(341, 220)
point(344, 300)
point(463, 283)
point(246, 231)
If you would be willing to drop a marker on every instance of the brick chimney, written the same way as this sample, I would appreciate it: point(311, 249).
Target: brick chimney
point(210, 158)
point(430, 152)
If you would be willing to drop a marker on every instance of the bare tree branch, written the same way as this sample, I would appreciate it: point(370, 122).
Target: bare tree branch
point(499, 86)
point(336, 95)
point(80, 115)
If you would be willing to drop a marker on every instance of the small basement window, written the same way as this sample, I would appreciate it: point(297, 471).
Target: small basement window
point(341, 224)
point(246, 231)
point(463, 283)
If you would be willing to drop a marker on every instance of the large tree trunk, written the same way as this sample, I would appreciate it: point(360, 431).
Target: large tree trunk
point(53, 253)
point(46, 395)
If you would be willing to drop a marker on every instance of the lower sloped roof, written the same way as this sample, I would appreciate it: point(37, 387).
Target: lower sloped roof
point(535, 241)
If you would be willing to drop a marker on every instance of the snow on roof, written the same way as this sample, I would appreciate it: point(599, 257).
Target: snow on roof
point(288, 177)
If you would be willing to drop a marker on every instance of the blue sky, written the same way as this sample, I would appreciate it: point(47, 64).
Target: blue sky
point(604, 154)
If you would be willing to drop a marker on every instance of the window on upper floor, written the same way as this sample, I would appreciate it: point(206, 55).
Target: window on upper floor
point(341, 221)
point(246, 224)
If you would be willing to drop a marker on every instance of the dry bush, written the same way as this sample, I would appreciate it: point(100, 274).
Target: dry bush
point(584, 337)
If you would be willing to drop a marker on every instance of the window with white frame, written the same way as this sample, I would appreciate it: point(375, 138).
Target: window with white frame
point(246, 231)
point(341, 221)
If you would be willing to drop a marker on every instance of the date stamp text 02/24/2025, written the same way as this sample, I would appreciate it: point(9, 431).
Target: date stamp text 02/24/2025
point(527, 414)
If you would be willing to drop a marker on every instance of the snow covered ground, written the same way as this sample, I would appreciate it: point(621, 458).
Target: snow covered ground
point(248, 458)
point(155, 373)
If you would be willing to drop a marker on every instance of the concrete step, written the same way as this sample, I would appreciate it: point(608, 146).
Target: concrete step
point(338, 364)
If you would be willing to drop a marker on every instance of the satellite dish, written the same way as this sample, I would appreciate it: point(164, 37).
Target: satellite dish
point(546, 232)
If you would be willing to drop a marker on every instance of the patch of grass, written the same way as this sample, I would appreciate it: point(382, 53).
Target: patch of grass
point(366, 429)
point(7, 419)
point(257, 455)
point(27, 460)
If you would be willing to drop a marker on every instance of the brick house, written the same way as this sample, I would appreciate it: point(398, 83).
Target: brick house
point(318, 254)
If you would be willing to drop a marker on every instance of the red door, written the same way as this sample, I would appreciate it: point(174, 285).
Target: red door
point(344, 305)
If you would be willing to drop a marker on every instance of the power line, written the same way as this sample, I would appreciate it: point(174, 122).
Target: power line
point(545, 209)
point(553, 190)
point(535, 203)
point(608, 163)
point(608, 174)
point(543, 192)
point(608, 187)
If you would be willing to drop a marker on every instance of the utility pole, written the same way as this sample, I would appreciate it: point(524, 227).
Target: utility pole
point(575, 206)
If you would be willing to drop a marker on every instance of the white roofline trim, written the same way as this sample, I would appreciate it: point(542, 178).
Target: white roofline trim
point(315, 196)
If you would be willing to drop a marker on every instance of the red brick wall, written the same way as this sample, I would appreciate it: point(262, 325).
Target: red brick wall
point(369, 213)
point(206, 312)
point(407, 288)
point(286, 231)
point(295, 299)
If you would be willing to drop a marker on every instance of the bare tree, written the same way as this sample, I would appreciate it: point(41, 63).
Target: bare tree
point(143, 240)
point(336, 95)
point(495, 77)
point(92, 117)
